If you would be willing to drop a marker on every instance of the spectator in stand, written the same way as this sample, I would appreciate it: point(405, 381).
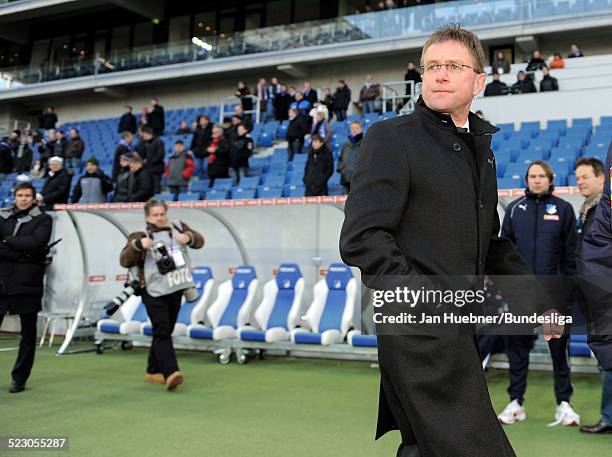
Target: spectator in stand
point(59, 144)
point(200, 141)
point(144, 116)
point(548, 83)
point(369, 94)
point(23, 155)
point(320, 125)
point(152, 150)
point(45, 151)
point(296, 130)
point(412, 74)
point(341, 100)
point(349, 155)
point(93, 186)
point(141, 184)
point(156, 118)
point(557, 62)
point(179, 169)
point(56, 189)
point(500, 64)
point(496, 87)
point(183, 128)
point(124, 148)
point(244, 118)
point(327, 101)
point(49, 119)
point(310, 94)
point(6, 158)
point(282, 101)
point(574, 52)
point(523, 85)
point(38, 170)
point(319, 168)
point(231, 133)
point(127, 122)
point(536, 62)
point(242, 149)
point(301, 104)
point(14, 137)
point(74, 152)
point(122, 188)
point(218, 155)
point(273, 89)
point(261, 91)
point(246, 102)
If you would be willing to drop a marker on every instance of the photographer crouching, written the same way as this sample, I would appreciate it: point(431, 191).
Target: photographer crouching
point(160, 254)
point(24, 234)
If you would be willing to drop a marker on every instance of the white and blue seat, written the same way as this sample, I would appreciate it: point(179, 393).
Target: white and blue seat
point(333, 309)
point(278, 312)
point(127, 320)
point(194, 311)
point(356, 339)
point(232, 308)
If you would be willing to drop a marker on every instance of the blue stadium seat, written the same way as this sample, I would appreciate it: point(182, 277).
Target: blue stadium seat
point(166, 197)
point(127, 320)
point(509, 183)
point(223, 184)
point(293, 190)
point(582, 122)
point(240, 193)
point(571, 180)
point(215, 194)
point(188, 196)
point(269, 192)
point(516, 169)
point(356, 339)
point(249, 182)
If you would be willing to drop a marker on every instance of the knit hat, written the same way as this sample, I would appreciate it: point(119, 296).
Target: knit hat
point(94, 161)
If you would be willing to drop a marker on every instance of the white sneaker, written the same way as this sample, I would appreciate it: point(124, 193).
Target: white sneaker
point(565, 415)
point(512, 413)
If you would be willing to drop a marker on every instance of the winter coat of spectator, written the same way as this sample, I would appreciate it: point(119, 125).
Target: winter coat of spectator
point(93, 186)
point(127, 122)
point(179, 169)
point(183, 129)
point(242, 149)
point(6, 157)
point(57, 185)
point(310, 94)
point(122, 187)
point(496, 87)
point(349, 155)
point(327, 100)
point(141, 183)
point(575, 52)
point(319, 168)
point(523, 84)
point(48, 120)
point(412, 74)
point(243, 117)
point(75, 146)
point(281, 103)
point(124, 148)
point(500, 64)
point(368, 95)
point(156, 118)
point(243, 93)
point(341, 100)
point(557, 62)
point(58, 145)
point(231, 133)
point(23, 157)
point(296, 130)
point(152, 150)
point(536, 62)
point(548, 83)
point(219, 158)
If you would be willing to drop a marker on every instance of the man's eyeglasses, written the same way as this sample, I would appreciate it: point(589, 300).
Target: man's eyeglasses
point(450, 67)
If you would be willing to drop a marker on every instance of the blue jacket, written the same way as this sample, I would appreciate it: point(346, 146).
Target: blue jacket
point(543, 229)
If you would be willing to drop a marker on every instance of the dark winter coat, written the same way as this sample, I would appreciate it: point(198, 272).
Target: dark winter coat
point(141, 186)
point(319, 168)
point(157, 120)
point(127, 123)
point(56, 188)
point(200, 141)
point(341, 98)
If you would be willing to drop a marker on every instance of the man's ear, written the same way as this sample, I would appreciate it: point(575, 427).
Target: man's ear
point(479, 83)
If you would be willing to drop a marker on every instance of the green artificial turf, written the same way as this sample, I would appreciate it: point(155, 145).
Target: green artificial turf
point(275, 407)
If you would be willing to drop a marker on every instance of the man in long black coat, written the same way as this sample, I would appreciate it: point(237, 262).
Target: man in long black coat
point(423, 202)
point(24, 234)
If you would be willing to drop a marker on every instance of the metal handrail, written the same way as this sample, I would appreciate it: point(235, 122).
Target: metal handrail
point(255, 111)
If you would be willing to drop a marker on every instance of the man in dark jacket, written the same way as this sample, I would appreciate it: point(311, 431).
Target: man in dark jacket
point(93, 186)
point(242, 149)
point(141, 181)
point(500, 64)
point(23, 154)
point(536, 62)
point(596, 270)
point(319, 168)
point(59, 144)
point(543, 229)
point(296, 130)
point(548, 83)
point(25, 231)
point(200, 141)
point(349, 155)
point(398, 223)
point(124, 148)
point(496, 87)
point(152, 150)
point(49, 119)
point(523, 85)
point(341, 100)
point(156, 119)
point(122, 186)
point(310, 94)
point(127, 122)
point(74, 152)
point(57, 185)
point(6, 158)
point(281, 102)
point(412, 74)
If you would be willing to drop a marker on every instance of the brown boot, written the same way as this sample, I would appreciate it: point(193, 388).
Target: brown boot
point(174, 380)
point(155, 378)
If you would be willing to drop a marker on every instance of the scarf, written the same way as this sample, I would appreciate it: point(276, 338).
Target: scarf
point(588, 204)
point(212, 156)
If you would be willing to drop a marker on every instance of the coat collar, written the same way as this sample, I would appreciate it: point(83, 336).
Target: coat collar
point(478, 126)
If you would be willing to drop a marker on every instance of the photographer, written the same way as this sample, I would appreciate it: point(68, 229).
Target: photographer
point(24, 234)
point(160, 254)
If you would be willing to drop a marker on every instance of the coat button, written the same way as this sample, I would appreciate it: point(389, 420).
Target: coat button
point(456, 147)
point(480, 204)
